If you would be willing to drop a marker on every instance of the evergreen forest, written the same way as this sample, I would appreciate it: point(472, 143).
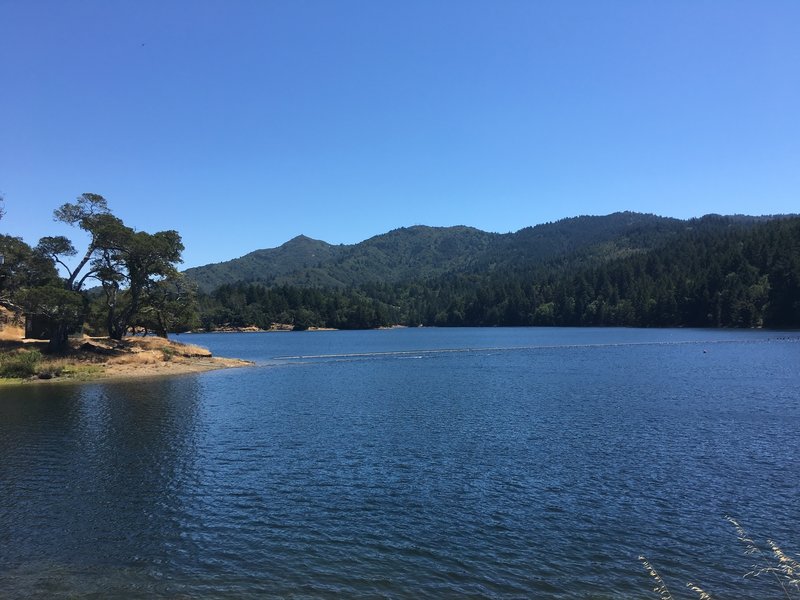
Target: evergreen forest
point(625, 269)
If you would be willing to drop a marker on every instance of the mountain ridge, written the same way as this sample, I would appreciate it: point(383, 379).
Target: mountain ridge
point(623, 269)
point(422, 251)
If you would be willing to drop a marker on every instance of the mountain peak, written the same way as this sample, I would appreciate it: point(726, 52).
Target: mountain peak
point(299, 239)
point(423, 252)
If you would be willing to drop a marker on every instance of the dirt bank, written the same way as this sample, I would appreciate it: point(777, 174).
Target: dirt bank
point(91, 359)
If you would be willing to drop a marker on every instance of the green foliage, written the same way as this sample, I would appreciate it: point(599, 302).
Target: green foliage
point(709, 272)
point(136, 271)
point(83, 212)
point(171, 306)
point(22, 267)
point(53, 302)
point(128, 266)
point(419, 253)
point(299, 256)
point(20, 364)
point(242, 304)
point(622, 269)
point(394, 256)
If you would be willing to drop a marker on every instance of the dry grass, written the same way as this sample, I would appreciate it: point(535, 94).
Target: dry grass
point(9, 333)
point(775, 562)
point(660, 587)
point(93, 358)
point(138, 358)
point(136, 345)
point(10, 327)
point(785, 570)
point(701, 593)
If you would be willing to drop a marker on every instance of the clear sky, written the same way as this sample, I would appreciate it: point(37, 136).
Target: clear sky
point(244, 123)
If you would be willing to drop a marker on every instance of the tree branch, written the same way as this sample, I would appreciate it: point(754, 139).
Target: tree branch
point(71, 280)
point(12, 306)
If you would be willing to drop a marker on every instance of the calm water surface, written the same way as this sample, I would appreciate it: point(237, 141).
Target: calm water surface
point(508, 463)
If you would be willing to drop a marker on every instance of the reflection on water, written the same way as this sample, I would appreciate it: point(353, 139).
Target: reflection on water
point(529, 466)
point(99, 470)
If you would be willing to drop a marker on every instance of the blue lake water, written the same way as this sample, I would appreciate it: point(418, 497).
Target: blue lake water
point(439, 463)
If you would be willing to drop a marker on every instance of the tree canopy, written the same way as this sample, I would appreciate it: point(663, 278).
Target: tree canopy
point(719, 272)
point(130, 267)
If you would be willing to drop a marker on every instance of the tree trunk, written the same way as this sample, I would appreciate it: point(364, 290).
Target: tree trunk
point(111, 322)
point(116, 330)
point(161, 328)
point(59, 340)
point(113, 326)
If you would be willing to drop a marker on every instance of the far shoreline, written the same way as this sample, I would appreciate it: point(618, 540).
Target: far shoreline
point(289, 329)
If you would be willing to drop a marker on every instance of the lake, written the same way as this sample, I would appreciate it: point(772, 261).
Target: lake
point(408, 463)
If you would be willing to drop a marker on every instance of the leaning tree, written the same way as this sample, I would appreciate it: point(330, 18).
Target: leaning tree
point(125, 262)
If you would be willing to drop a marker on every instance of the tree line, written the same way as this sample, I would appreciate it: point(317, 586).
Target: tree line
point(248, 304)
point(734, 276)
point(121, 280)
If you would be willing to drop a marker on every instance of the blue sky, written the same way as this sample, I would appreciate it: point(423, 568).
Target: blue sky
point(243, 124)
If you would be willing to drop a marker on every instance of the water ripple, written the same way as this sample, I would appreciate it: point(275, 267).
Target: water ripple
point(525, 468)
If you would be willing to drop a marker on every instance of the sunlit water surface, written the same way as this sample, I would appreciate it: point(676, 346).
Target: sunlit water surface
point(518, 463)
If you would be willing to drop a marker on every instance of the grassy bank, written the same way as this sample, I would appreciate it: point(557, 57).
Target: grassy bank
point(88, 359)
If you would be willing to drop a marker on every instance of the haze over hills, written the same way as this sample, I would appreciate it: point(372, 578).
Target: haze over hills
point(421, 251)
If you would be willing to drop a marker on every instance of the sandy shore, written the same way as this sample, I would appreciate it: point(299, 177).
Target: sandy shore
point(92, 359)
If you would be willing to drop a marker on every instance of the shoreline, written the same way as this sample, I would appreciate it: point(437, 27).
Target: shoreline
point(102, 359)
point(288, 329)
point(253, 329)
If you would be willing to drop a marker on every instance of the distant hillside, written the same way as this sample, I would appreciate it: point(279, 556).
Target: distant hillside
point(298, 255)
point(409, 252)
point(414, 252)
point(623, 269)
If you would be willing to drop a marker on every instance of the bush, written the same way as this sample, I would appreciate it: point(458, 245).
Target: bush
point(20, 364)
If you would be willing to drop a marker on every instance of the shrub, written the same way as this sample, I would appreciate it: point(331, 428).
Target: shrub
point(20, 364)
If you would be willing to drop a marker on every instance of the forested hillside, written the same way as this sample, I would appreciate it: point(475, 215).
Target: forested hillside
point(420, 251)
point(623, 269)
point(392, 256)
point(267, 265)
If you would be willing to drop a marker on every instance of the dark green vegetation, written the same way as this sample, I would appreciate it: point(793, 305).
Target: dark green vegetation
point(20, 364)
point(139, 285)
point(395, 256)
point(623, 269)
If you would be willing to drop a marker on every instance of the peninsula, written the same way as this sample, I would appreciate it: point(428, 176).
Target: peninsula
point(93, 359)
